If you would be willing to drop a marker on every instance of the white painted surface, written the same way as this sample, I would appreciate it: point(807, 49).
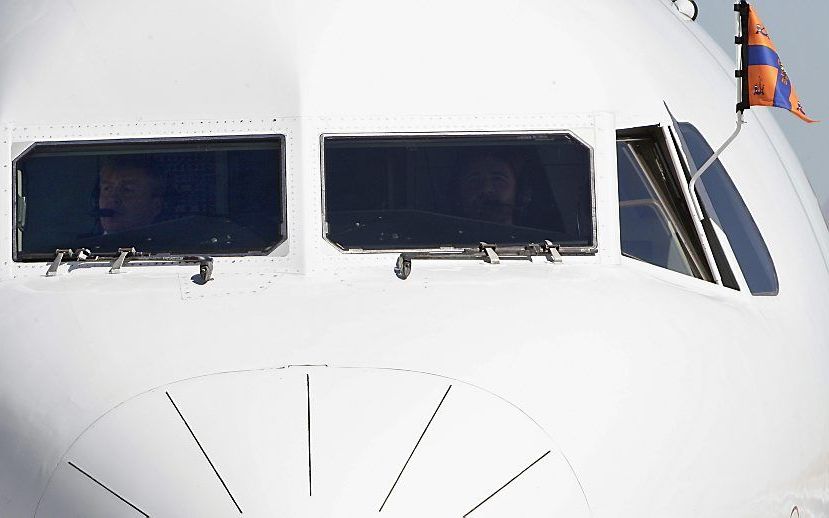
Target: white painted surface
point(668, 395)
point(364, 424)
point(826, 211)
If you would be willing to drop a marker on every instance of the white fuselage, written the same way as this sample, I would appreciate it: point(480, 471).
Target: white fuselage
point(656, 393)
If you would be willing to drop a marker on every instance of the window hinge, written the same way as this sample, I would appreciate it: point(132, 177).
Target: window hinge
point(489, 253)
point(119, 261)
point(59, 254)
point(491, 256)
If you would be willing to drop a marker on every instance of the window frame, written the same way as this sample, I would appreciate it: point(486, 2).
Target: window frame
point(729, 277)
point(196, 139)
point(701, 258)
point(729, 257)
point(593, 249)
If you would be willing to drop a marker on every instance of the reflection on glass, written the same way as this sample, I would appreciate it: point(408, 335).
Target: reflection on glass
point(220, 197)
point(723, 203)
point(455, 191)
point(649, 223)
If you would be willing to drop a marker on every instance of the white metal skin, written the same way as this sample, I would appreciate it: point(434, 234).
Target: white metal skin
point(656, 394)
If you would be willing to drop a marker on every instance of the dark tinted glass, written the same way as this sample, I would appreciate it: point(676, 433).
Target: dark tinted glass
point(651, 222)
point(726, 207)
point(455, 191)
point(182, 197)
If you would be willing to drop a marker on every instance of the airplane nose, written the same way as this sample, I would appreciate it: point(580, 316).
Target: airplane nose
point(323, 442)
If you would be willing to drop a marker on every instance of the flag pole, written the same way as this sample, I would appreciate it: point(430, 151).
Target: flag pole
point(741, 8)
point(692, 185)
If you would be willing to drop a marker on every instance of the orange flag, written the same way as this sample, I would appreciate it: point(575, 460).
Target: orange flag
point(765, 81)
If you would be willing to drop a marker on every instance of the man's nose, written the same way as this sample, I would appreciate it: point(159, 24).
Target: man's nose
point(109, 199)
point(489, 186)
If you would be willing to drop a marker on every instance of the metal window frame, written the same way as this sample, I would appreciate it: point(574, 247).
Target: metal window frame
point(720, 265)
point(196, 139)
point(592, 249)
point(722, 242)
point(699, 259)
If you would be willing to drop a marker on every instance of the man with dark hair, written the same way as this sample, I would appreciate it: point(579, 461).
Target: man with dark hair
point(490, 188)
point(131, 193)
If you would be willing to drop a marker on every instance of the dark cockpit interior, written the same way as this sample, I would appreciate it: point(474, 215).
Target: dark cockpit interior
point(220, 197)
point(423, 192)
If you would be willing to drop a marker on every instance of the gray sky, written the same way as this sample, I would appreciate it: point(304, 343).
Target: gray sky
point(798, 28)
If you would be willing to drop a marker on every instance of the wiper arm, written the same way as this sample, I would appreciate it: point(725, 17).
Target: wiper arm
point(490, 253)
point(126, 255)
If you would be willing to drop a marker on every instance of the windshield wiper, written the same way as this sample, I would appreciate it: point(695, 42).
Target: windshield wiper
point(490, 253)
point(129, 255)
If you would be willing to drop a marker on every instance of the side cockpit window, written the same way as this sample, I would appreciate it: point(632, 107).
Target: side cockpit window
point(429, 192)
point(723, 204)
point(654, 221)
point(180, 196)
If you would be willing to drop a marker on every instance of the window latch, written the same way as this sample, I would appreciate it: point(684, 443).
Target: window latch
point(487, 252)
point(491, 255)
point(552, 253)
point(59, 254)
point(205, 262)
point(119, 261)
point(126, 255)
point(81, 254)
point(205, 268)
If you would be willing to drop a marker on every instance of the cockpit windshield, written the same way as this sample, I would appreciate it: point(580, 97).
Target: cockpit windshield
point(206, 196)
point(425, 192)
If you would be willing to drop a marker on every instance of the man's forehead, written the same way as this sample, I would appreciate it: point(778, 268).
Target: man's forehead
point(124, 173)
point(488, 164)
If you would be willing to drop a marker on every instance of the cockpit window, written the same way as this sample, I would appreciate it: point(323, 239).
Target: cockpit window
point(722, 202)
point(425, 192)
point(216, 196)
point(655, 224)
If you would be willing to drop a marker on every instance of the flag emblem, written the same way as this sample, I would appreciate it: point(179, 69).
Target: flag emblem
point(764, 71)
point(760, 89)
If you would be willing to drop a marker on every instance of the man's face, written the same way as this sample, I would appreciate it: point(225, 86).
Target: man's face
point(130, 196)
point(488, 190)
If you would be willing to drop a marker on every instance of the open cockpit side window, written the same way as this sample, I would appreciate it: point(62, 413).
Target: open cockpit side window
point(405, 192)
point(217, 196)
point(655, 222)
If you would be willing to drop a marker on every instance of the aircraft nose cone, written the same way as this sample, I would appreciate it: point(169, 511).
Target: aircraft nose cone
point(321, 442)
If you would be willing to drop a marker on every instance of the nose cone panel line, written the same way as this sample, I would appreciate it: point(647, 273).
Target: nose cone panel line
point(243, 442)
